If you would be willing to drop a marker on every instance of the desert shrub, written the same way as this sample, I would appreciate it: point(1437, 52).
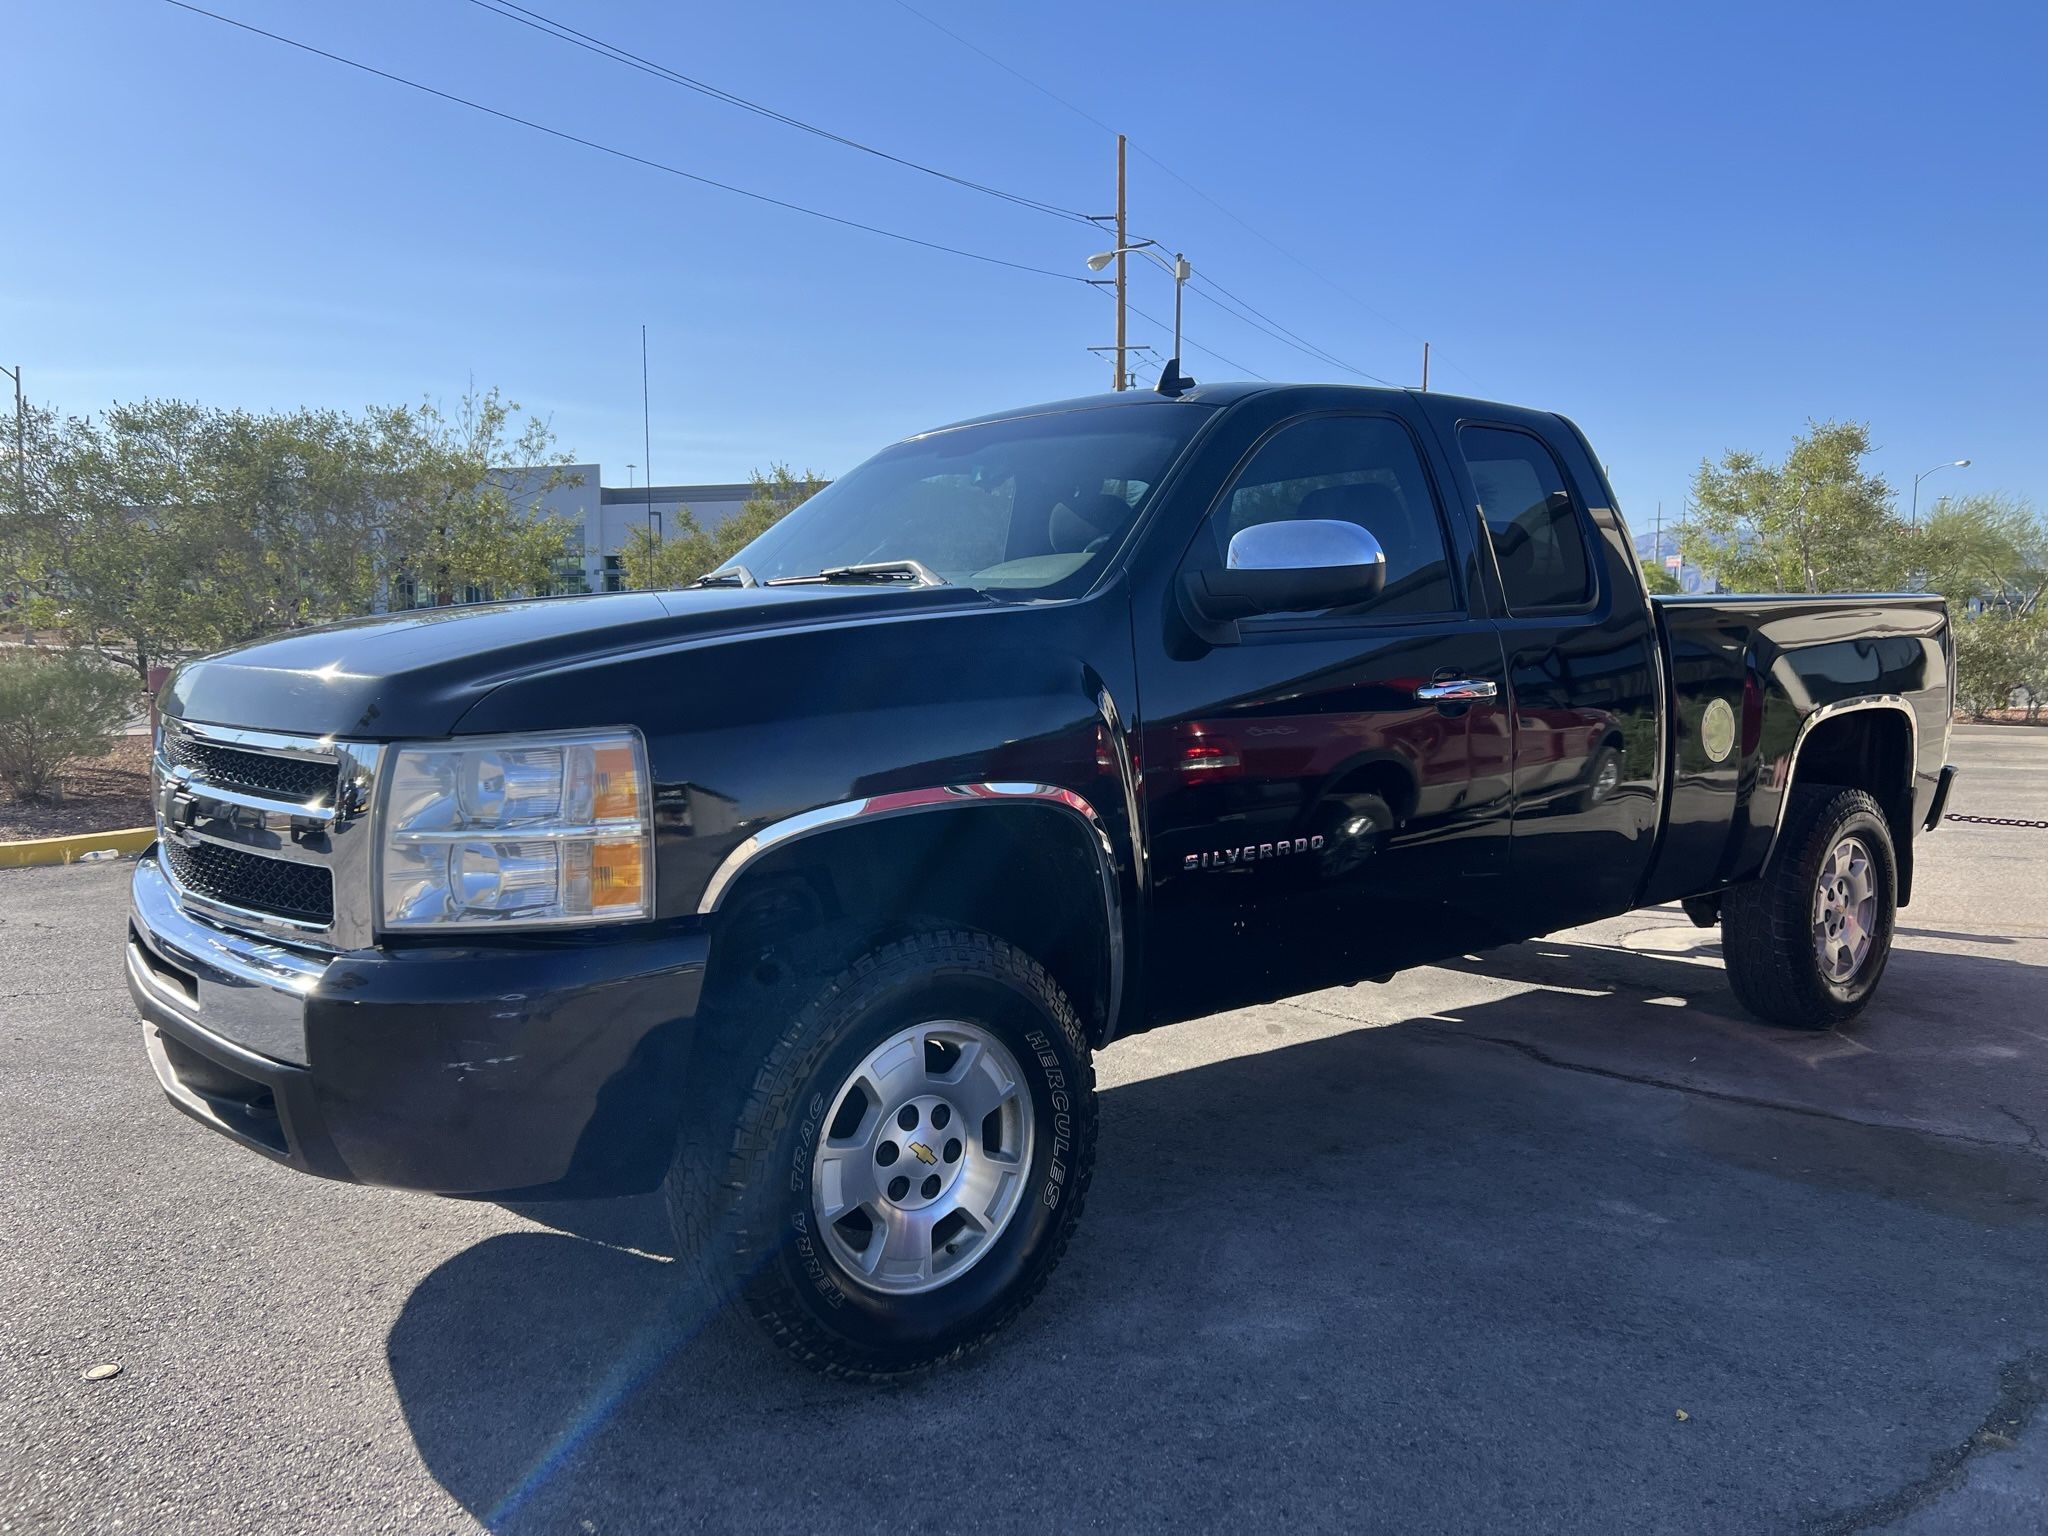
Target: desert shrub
point(56, 710)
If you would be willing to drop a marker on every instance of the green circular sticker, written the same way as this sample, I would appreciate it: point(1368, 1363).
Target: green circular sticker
point(1717, 730)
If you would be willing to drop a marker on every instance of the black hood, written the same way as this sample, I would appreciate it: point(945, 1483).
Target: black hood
point(418, 673)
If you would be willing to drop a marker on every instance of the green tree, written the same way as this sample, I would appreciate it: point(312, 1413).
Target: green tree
point(1999, 656)
point(1657, 579)
point(1816, 522)
point(56, 710)
point(1990, 547)
point(166, 527)
point(648, 562)
point(451, 523)
point(651, 562)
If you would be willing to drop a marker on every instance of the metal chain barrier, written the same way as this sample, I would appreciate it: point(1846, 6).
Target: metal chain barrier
point(1996, 821)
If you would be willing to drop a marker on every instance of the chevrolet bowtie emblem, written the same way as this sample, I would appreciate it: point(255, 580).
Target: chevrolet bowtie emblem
point(924, 1153)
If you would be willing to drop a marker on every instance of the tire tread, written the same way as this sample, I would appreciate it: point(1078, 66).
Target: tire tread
point(1767, 926)
point(725, 1238)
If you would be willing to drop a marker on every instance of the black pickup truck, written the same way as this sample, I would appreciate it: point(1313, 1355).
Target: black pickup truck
point(806, 893)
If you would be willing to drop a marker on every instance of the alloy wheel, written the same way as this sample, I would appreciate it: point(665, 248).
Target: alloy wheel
point(1845, 910)
point(924, 1156)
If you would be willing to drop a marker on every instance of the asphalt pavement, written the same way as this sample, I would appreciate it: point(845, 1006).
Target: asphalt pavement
point(1552, 1238)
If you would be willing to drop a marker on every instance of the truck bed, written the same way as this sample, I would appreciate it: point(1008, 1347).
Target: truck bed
point(1785, 665)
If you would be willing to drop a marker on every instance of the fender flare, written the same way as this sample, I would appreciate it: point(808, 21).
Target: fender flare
point(944, 797)
point(1825, 712)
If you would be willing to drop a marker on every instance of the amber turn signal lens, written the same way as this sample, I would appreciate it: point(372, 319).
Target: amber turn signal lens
point(616, 794)
point(615, 876)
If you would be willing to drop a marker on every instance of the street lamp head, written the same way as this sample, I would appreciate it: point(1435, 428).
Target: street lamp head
point(1097, 263)
point(1962, 464)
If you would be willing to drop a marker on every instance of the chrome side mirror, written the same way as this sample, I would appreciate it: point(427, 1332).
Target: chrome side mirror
point(1291, 567)
point(1309, 544)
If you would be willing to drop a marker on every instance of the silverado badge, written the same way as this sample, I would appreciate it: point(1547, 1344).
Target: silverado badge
point(1251, 853)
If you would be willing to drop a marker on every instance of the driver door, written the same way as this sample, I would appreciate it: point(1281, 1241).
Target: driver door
point(1315, 816)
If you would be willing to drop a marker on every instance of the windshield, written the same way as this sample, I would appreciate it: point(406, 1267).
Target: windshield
point(1030, 505)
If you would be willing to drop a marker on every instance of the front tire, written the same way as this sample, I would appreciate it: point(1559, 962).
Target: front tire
point(907, 1158)
point(1603, 778)
point(1806, 942)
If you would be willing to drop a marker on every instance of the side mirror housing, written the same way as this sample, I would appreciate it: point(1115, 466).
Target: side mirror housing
point(1290, 567)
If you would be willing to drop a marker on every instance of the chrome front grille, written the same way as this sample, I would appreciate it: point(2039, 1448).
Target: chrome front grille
point(283, 778)
point(268, 833)
point(302, 893)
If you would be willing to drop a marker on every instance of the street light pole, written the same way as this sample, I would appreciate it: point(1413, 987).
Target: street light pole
point(20, 464)
point(20, 442)
point(1951, 464)
point(647, 433)
point(1178, 269)
point(1181, 272)
point(1122, 378)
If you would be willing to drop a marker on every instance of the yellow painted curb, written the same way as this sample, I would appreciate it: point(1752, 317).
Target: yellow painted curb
point(63, 850)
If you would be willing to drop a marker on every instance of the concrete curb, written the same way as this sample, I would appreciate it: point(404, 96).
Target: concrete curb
point(65, 850)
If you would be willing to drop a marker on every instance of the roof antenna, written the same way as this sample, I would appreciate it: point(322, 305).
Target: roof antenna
point(1172, 382)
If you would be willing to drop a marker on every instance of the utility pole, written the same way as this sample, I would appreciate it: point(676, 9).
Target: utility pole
point(1122, 378)
point(21, 439)
point(21, 468)
point(647, 434)
point(1425, 367)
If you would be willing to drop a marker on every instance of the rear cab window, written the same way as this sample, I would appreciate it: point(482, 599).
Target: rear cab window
point(1532, 520)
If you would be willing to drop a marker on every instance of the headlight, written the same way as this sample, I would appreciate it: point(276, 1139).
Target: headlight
point(517, 832)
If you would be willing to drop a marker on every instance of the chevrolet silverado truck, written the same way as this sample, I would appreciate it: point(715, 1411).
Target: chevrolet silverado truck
point(805, 894)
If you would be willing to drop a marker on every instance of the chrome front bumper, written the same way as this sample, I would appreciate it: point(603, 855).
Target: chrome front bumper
point(457, 1069)
point(244, 990)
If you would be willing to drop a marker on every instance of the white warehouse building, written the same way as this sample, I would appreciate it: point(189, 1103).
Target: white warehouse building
point(603, 514)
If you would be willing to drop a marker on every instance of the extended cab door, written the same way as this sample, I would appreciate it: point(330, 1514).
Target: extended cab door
point(1313, 815)
point(1584, 688)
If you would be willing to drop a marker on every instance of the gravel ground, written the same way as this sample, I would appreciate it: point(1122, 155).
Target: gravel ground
point(1550, 1239)
point(105, 794)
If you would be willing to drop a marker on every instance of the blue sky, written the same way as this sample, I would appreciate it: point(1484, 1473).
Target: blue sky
point(1687, 227)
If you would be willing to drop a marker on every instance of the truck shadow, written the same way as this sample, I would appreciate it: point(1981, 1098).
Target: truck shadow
point(1401, 1276)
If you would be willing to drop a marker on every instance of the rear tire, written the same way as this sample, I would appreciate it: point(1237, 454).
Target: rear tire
point(1806, 942)
point(937, 1093)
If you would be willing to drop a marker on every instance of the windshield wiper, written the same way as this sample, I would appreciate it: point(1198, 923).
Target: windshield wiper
point(915, 571)
point(727, 576)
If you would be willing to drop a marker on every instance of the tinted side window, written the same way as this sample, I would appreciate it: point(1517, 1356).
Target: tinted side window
point(1355, 469)
point(1537, 539)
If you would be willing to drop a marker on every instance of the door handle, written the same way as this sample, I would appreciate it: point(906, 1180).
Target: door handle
point(1458, 690)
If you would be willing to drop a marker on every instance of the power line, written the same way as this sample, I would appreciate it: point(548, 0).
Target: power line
point(1007, 69)
point(628, 155)
point(547, 26)
point(1228, 213)
point(1189, 341)
point(1277, 331)
point(1312, 271)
